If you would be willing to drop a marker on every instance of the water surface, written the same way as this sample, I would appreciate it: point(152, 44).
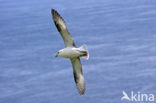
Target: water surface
point(121, 38)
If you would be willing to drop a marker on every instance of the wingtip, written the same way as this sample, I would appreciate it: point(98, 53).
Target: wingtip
point(56, 14)
point(53, 11)
point(82, 93)
point(81, 85)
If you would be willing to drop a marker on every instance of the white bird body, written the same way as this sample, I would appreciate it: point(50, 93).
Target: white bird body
point(71, 51)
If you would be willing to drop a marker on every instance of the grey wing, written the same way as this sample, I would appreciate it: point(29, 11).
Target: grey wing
point(61, 27)
point(78, 75)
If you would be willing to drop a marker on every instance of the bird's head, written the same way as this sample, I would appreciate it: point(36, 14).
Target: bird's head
point(59, 53)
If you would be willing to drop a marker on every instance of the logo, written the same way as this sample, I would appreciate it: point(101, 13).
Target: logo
point(140, 97)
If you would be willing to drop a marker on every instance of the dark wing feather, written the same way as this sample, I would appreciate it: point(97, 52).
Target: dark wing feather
point(61, 27)
point(78, 75)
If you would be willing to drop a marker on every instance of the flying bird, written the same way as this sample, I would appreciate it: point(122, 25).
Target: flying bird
point(71, 51)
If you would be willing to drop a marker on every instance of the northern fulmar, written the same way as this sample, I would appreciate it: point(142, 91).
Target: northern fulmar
point(71, 51)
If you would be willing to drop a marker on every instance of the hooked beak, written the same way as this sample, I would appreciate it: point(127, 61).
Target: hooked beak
point(56, 55)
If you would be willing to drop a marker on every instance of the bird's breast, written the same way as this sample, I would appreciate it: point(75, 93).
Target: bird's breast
point(70, 53)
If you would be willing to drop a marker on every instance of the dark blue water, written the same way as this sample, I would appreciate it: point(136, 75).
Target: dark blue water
point(121, 37)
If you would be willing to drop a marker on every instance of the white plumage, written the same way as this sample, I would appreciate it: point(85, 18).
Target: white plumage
point(71, 51)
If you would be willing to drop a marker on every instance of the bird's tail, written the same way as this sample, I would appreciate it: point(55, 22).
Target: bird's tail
point(85, 52)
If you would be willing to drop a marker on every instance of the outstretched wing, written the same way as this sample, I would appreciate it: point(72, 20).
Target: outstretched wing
point(78, 75)
point(61, 27)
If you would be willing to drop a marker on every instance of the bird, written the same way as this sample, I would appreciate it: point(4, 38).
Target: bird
point(71, 51)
